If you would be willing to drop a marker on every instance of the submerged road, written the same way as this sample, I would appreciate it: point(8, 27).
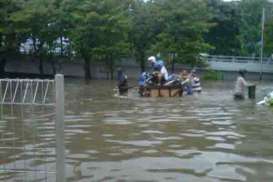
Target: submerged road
point(207, 137)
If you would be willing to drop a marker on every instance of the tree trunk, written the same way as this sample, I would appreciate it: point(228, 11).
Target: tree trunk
point(53, 66)
point(107, 75)
point(111, 72)
point(3, 63)
point(87, 71)
point(41, 66)
point(173, 64)
point(111, 68)
point(62, 49)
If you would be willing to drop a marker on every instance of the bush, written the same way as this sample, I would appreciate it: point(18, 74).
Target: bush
point(213, 75)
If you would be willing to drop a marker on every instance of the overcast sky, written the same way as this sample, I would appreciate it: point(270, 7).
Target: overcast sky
point(238, 0)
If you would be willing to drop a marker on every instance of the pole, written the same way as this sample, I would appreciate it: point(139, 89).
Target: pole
point(60, 147)
point(262, 45)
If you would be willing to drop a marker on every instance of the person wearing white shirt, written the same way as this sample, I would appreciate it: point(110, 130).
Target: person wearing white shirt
point(240, 85)
point(159, 66)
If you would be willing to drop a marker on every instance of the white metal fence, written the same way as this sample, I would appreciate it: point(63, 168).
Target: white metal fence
point(236, 59)
point(235, 63)
point(32, 130)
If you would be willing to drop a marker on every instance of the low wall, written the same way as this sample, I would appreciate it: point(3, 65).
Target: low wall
point(75, 69)
point(68, 68)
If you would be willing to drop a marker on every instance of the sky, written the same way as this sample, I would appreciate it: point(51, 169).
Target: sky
point(271, 1)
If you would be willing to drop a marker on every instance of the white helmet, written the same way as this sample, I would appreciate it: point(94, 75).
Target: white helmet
point(152, 59)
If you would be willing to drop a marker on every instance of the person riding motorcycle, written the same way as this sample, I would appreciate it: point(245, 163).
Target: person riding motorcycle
point(159, 68)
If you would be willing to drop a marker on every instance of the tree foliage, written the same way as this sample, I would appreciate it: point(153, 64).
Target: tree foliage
point(143, 29)
point(183, 27)
point(105, 31)
point(99, 31)
point(9, 38)
point(250, 26)
point(224, 35)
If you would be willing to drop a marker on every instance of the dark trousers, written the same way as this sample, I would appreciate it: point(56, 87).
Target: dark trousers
point(238, 96)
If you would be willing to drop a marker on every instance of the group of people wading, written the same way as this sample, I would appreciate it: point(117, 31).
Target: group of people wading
point(188, 81)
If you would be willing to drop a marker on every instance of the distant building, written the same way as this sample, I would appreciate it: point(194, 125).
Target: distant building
point(60, 46)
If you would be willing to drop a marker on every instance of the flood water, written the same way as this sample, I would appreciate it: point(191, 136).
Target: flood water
point(206, 137)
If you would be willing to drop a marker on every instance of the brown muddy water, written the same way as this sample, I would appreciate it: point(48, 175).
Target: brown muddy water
point(206, 137)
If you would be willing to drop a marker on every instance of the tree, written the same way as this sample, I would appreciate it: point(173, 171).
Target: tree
point(268, 32)
point(38, 21)
point(112, 42)
point(224, 35)
point(99, 31)
point(183, 25)
point(9, 38)
point(143, 29)
point(268, 48)
point(250, 26)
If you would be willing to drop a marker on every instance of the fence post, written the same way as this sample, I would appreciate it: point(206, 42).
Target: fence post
point(60, 147)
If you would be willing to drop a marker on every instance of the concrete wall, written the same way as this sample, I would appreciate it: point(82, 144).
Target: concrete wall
point(68, 68)
point(75, 69)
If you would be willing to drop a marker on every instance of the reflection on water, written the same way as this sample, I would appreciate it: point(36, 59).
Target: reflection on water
point(207, 137)
point(27, 143)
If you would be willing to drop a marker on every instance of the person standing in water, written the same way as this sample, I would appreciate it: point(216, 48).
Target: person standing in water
point(186, 82)
point(240, 85)
point(195, 82)
point(122, 82)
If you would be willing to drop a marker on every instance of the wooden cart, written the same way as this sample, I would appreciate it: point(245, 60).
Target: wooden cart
point(161, 91)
